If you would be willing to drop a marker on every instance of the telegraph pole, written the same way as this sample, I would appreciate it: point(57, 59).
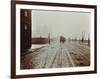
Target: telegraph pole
point(82, 37)
point(49, 37)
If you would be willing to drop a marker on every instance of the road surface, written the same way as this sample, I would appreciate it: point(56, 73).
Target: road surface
point(57, 55)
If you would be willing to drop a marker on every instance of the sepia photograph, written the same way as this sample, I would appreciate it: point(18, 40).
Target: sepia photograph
point(54, 39)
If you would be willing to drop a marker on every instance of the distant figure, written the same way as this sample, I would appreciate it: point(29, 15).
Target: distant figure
point(62, 39)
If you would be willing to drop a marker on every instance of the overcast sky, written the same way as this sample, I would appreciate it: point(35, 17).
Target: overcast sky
point(68, 24)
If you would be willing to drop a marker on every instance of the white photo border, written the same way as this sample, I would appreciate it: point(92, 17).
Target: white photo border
point(54, 70)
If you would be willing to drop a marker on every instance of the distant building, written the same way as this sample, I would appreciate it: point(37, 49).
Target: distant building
point(62, 39)
point(40, 40)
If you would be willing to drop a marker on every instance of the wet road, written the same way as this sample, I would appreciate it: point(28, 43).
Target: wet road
point(57, 55)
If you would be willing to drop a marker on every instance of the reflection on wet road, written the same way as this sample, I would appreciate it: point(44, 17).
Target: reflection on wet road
point(57, 55)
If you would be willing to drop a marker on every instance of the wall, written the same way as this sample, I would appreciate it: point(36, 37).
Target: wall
point(5, 40)
point(25, 30)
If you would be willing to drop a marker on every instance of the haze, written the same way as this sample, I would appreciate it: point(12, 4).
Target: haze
point(68, 24)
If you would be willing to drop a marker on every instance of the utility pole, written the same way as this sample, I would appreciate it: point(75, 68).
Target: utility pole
point(82, 37)
point(88, 40)
point(49, 37)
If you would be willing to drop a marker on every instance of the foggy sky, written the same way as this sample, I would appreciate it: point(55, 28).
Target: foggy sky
point(68, 24)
